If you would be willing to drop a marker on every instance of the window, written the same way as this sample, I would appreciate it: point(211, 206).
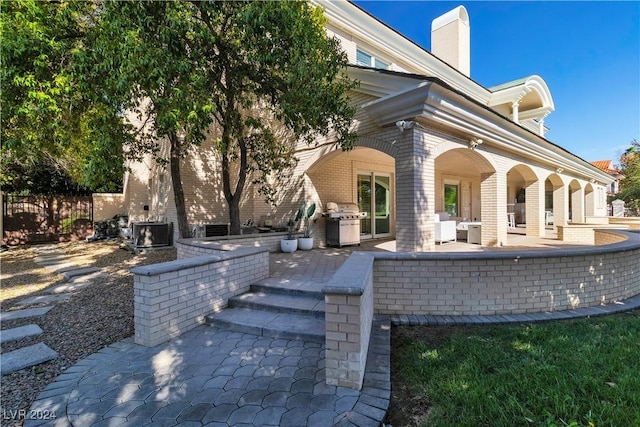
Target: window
point(363, 58)
point(451, 193)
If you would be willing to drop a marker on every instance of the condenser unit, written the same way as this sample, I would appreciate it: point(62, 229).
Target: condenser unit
point(151, 234)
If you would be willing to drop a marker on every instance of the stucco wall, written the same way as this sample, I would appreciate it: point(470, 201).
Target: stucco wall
point(106, 205)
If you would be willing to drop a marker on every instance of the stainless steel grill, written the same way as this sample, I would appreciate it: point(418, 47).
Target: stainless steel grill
point(343, 224)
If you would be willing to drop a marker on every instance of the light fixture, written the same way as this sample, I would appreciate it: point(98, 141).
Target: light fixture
point(559, 170)
point(404, 125)
point(474, 142)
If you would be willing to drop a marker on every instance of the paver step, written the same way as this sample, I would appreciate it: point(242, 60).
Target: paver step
point(44, 299)
point(69, 287)
point(289, 287)
point(270, 324)
point(25, 357)
point(14, 334)
point(280, 303)
point(80, 271)
point(24, 313)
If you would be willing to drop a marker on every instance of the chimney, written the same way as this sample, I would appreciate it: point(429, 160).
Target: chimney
point(451, 41)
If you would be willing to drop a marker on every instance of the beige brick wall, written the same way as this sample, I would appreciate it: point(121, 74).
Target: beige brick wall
point(188, 248)
point(173, 297)
point(503, 284)
point(348, 320)
point(603, 237)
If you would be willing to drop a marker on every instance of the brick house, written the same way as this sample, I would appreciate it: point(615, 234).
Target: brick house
point(430, 139)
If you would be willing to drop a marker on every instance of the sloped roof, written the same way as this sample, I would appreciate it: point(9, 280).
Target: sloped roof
point(604, 165)
point(607, 166)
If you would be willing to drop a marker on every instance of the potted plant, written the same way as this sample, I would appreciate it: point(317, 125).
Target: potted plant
point(290, 243)
point(305, 242)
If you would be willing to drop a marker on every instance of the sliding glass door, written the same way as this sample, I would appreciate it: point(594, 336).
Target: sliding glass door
point(375, 198)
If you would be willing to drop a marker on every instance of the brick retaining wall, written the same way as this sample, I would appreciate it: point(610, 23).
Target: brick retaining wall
point(187, 248)
point(173, 297)
point(471, 283)
point(348, 320)
point(507, 282)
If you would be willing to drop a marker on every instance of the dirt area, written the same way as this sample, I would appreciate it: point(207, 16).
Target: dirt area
point(93, 318)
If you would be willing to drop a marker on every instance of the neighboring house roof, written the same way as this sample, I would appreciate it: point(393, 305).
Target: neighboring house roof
point(607, 166)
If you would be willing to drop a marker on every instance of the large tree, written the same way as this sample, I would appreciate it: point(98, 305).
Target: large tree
point(630, 185)
point(47, 119)
point(233, 71)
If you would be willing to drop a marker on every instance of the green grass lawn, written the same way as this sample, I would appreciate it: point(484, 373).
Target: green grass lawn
point(570, 373)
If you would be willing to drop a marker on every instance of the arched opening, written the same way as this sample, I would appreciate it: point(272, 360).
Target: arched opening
point(365, 176)
point(457, 183)
point(525, 204)
point(589, 201)
point(463, 178)
point(555, 201)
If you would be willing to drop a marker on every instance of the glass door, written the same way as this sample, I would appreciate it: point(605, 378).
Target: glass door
point(375, 198)
point(364, 204)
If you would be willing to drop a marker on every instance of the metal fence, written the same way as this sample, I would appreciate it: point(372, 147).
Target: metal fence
point(46, 218)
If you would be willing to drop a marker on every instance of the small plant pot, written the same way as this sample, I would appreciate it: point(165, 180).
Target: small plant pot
point(288, 245)
point(305, 243)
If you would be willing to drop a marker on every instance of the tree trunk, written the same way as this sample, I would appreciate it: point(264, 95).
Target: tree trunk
point(178, 193)
point(233, 198)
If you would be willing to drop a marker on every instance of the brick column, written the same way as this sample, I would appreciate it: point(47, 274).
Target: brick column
point(560, 205)
point(348, 317)
point(577, 206)
point(415, 193)
point(493, 205)
point(534, 214)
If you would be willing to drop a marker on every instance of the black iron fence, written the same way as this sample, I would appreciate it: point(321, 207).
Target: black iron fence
point(46, 218)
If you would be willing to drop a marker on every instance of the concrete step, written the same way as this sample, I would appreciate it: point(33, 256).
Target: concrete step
point(270, 324)
point(44, 299)
point(23, 314)
point(25, 357)
point(289, 287)
point(80, 271)
point(280, 303)
point(15, 334)
point(69, 287)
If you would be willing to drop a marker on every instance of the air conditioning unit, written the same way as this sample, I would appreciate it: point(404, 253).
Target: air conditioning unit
point(151, 234)
point(212, 230)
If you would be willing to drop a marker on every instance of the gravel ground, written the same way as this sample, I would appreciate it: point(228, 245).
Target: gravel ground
point(91, 319)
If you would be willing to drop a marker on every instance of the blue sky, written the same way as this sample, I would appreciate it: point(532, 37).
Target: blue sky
point(587, 52)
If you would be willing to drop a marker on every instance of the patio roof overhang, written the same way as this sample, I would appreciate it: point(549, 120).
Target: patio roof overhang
point(433, 101)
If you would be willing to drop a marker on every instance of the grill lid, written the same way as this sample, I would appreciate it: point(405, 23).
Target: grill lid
point(344, 210)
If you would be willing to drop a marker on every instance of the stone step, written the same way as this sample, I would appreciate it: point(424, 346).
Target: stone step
point(80, 271)
point(289, 287)
point(44, 299)
point(61, 267)
point(270, 324)
point(51, 259)
point(95, 276)
point(15, 334)
point(69, 287)
point(280, 303)
point(23, 314)
point(25, 357)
